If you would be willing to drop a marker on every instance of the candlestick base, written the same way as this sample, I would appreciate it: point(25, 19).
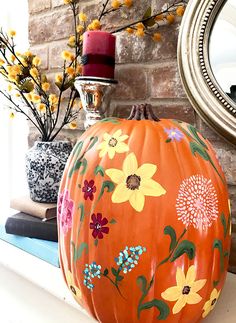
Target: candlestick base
point(95, 94)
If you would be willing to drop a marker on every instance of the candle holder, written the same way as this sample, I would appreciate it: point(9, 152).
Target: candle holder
point(95, 94)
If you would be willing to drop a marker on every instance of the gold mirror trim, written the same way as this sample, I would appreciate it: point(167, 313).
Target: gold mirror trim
point(210, 102)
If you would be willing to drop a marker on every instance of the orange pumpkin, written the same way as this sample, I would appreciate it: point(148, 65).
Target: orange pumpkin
point(144, 221)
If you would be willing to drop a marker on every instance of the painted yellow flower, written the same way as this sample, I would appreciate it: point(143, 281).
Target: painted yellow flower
point(185, 292)
point(134, 183)
point(211, 303)
point(71, 284)
point(113, 144)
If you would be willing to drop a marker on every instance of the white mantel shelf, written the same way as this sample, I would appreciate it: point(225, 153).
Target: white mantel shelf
point(33, 291)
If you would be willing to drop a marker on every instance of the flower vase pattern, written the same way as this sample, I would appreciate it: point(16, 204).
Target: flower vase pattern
point(45, 163)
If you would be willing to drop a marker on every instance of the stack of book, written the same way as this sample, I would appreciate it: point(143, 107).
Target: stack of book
point(32, 219)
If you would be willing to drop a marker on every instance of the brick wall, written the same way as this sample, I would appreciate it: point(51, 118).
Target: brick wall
point(146, 71)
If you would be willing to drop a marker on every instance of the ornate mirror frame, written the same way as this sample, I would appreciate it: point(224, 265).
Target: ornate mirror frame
point(203, 91)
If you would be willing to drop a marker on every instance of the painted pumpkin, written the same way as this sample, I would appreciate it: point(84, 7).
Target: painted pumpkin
point(144, 221)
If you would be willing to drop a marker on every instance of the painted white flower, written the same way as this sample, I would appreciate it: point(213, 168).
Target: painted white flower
point(197, 202)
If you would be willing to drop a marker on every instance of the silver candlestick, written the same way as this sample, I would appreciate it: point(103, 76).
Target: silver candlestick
point(95, 94)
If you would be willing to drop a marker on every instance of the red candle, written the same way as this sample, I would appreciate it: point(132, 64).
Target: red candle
point(98, 54)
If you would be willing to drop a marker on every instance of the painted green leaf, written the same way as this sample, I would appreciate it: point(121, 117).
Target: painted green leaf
point(215, 283)
point(226, 253)
point(112, 120)
point(79, 163)
point(78, 148)
point(77, 252)
point(106, 185)
point(194, 132)
point(113, 221)
point(81, 207)
point(184, 247)
point(114, 272)
point(96, 242)
point(142, 284)
point(93, 142)
point(171, 232)
point(162, 307)
point(76, 166)
point(218, 245)
point(119, 278)
point(223, 221)
point(228, 224)
point(196, 148)
point(99, 170)
point(84, 164)
point(168, 140)
point(106, 272)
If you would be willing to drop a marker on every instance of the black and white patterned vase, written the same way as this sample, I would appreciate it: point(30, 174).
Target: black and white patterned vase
point(45, 163)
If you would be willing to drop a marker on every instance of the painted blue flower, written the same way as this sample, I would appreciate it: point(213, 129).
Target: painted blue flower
point(174, 133)
point(128, 258)
point(91, 271)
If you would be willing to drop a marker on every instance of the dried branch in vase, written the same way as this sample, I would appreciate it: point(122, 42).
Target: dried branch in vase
point(28, 89)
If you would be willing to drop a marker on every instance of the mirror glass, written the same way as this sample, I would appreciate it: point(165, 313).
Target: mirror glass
point(222, 48)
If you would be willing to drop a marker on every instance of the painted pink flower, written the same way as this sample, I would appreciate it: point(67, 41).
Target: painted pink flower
point(197, 202)
point(65, 211)
point(98, 226)
point(89, 189)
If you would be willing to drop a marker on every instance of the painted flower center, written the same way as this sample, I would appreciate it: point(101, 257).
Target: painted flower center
point(186, 290)
point(173, 133)
point(89, 189)
point(97, 226)
point(112, 142)
point(213, 302)
point(73, 289)
point(198, 204)
point(133, 182)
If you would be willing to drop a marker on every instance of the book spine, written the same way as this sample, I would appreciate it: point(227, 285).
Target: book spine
point(32, 229)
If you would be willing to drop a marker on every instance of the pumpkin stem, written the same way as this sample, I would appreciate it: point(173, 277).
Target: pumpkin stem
point(142, 112)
